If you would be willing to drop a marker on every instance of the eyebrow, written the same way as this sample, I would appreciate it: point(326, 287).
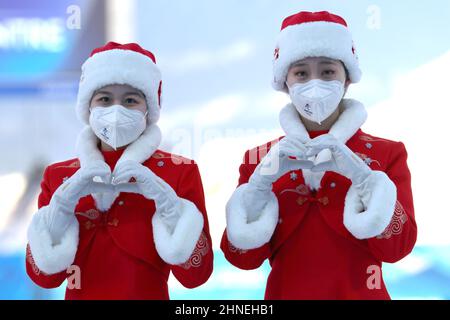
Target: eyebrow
point(327, 62)
point(301, 64)
point(135, 93)
point(102, 92)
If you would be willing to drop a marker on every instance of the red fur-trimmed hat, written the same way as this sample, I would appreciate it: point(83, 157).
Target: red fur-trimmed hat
point(313, 34)
point(117, 63)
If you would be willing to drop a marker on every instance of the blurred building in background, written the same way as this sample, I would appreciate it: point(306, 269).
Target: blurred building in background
point(215, 57)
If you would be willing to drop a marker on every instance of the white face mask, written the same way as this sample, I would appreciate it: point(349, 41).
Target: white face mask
point(316, 99)
point(116, 125)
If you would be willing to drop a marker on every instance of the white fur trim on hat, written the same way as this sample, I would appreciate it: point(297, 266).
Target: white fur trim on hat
point(240, 232)
point(50, 258)
point(371, 222)
point(177, 248)
point(313, 39)
point(119, 66)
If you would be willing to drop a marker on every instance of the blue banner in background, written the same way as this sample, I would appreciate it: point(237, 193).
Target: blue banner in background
point(41, 39)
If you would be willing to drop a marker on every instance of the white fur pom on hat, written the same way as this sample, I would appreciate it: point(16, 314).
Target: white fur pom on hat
point(117, 63)
point(313, 34)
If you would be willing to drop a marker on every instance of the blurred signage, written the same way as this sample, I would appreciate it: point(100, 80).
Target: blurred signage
point(47, 39)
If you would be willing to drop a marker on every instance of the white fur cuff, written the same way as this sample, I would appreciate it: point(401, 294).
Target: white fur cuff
point(177, 248)
point(380, 207)
point(244, 235)
point(50, 258)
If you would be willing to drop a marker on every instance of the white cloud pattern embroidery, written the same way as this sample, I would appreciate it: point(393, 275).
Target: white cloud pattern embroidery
point(201, 249)
point(398, 220)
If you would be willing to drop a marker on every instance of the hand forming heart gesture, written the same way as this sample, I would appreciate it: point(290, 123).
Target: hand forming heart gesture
point(343, 160)
point(292, 154)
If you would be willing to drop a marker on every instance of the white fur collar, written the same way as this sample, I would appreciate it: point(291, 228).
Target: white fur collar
point(353, 116)
point(139, 150)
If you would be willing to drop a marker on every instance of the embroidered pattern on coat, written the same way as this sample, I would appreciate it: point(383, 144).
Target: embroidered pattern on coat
point(300, 189)
point(91, 214)
point(75, 164)
point(201, 249)
point(176, 159)
point(367, 138)
point(398, 220)
point(233, 249)
point(30, 260)
point(367, 160)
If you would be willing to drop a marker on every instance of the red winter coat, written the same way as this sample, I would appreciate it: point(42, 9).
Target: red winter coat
point(312, 254)
point(116, 251)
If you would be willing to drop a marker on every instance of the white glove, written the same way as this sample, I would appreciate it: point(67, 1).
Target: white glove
point(61, 209)
point(343, 161)
point(274, 165)
point(151, 187)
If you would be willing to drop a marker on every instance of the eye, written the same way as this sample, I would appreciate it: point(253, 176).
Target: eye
point(131, 101)
point(329, 72)
point(103, 99)
point(301, 74)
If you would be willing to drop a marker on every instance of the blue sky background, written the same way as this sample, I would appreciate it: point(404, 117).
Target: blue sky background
point(411, 33)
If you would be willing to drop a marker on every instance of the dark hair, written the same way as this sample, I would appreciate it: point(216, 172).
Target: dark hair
point(347, 75)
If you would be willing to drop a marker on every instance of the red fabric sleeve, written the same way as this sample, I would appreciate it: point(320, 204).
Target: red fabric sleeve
point(198, 268)
point(35, 274)
point(399, 237)
point(245, 259)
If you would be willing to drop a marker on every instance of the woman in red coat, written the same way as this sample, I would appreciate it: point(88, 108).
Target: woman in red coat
point(326, 203)
point(116, 220)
